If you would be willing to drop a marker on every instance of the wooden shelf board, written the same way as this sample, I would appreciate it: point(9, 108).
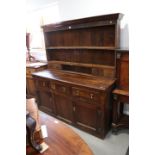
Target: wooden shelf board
point(83, 47)
point(121, 92)
point(81, 64)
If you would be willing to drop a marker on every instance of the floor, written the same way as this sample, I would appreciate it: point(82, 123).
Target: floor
point(111, 145)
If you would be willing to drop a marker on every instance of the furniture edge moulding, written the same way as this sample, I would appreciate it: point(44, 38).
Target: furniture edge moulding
point(108, 19)
point(80, 64)
point(82, 47)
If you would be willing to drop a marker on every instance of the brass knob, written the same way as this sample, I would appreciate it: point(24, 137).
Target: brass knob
point(91, 96)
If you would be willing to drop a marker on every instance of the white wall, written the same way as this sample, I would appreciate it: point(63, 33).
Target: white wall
point(72, 9)
point(32, 5)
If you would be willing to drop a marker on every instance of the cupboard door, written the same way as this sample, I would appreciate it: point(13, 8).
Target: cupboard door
point(87, 116)
point(64, 108)
point(46, 101)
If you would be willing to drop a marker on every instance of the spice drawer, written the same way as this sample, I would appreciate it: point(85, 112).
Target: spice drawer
point(60, 88)
point(43, 84)
point(85, 93)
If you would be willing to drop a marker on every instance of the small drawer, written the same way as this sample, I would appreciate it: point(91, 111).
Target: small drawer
point(61, 89)
point(43, 84)
point(92, 95)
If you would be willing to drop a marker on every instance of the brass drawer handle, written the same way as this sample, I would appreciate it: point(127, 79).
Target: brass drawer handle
point(91, 96)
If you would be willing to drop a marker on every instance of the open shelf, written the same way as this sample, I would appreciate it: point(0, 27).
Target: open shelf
point(81, 64)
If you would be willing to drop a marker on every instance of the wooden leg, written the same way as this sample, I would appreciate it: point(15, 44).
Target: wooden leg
point(30, 128)
point(115, 116)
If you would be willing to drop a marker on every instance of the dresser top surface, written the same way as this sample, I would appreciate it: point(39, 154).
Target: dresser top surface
point(76, 78)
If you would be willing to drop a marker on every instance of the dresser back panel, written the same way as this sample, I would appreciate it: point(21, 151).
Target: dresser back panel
point(102, 57)
point(96, 36)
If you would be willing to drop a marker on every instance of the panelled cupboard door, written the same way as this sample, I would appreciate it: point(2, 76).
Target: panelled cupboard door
point(46, 101)
point(64, 108)
point(86, 116)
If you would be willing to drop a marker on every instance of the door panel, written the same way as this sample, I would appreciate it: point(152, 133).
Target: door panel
point(64, 108)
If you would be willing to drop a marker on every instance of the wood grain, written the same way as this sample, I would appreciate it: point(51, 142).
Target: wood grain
point(62, 140)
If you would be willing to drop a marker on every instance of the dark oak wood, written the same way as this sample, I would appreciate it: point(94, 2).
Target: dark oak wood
point(121, 93)
point(122, 69)
point(62, 140)
point(30, 68)
point(81, 73)
point(91, 40)
point(79, 99)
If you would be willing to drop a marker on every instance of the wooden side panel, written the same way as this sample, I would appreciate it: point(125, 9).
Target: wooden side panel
point(95, 36)
point(123, 70)
point(91, 56)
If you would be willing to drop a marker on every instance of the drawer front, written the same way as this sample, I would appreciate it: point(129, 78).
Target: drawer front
point(92, 95)
point(60, 88)
point(43, 84)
